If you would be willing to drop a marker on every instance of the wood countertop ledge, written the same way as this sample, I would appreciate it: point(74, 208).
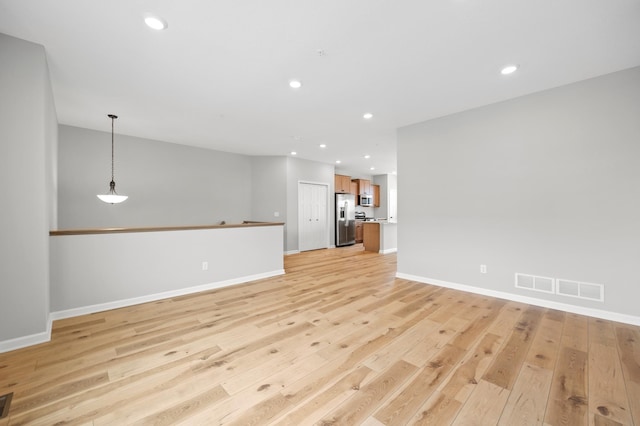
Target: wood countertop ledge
point(245, 224)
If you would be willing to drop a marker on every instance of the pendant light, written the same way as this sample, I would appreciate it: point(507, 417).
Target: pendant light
point(112, 197)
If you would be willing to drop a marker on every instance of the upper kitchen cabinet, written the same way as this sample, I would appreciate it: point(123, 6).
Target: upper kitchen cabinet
point(376, 195)
point(364, 186)
point(343, 184)
point(354, 188)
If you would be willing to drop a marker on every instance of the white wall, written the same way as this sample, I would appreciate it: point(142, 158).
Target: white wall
point(167, 184)
point(546, 184)
point(27, 152)
point(269, 190)
point(95, 272)
point(388, 184)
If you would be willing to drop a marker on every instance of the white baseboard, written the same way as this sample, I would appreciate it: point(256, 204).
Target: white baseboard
point(34, 339)
point(596, 313)
point(291, 252)
point(24, 341)
point(159, 296)
point(387, 251)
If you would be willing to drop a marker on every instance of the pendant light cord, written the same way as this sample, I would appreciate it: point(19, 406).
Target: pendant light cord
point(112, 196)
point(113, 117)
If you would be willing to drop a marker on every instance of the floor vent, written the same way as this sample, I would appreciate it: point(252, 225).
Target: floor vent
point(533, 282)
point(5, 402)
point(580, 290)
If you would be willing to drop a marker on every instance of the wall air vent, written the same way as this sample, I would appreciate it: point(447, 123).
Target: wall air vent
point(580, 290)
point(536, 283)
point(577, 289)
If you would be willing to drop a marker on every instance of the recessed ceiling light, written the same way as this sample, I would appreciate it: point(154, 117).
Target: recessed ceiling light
point(296, 84)
point(322, 145)
point(294, 153)
point(372, 168)
point(394, 172)
point(155, 22)
point(338, 161)
point(368, 116)
point(509, 69)
point(367, 156)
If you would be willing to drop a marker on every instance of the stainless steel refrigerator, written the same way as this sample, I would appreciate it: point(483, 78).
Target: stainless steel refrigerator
point(345, 219)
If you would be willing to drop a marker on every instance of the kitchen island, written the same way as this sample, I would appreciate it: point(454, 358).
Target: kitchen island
point(380, 236)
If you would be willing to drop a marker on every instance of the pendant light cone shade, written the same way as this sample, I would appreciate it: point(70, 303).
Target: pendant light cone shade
point(112, 196)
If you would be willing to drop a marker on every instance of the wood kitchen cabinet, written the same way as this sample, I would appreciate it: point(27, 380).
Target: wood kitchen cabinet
point(376, 195)
point(342, 184)
point(364, 186)
point(371, 236)
point(359, 231)
point(354, 189)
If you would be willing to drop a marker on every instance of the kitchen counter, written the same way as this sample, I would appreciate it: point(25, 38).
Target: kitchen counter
point(245, 224)
point(380, 237)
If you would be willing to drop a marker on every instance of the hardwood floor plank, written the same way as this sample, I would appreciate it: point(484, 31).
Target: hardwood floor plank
point(478, 325)
point(575, 333)
point(312, 410)
point(607, 393)
point(506, 366)
point(507, 317)
point(443, 406)
point(528, 399)
point(364, 402)
point(433, 340)
point(439, 410)
point(58, 391)
point(391, 353)
point(84, 407)
point(185, 409)
point(628, 344)
point(568, 397)
point(484, 406)
point(546, 342)
point(278, 357)
point(327, 343)
point(598, 420)
point(403, 406)
point(451, 302)
point(426, 303)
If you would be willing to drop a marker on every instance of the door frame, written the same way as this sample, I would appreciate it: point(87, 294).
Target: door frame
point(328, 204)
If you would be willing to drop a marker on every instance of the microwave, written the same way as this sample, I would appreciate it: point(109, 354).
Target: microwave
point(366, 200)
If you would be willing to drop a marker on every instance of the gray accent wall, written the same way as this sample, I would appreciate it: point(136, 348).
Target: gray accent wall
point(546, 184)
point(167, 184)
point(275, 189)
point(269, 190)
point(28, 132)
point(156, 265)
point(173, 185)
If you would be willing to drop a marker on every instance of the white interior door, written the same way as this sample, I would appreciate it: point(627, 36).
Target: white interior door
point(313, 216)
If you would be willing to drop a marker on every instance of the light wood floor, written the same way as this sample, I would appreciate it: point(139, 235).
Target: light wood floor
point(337, 340)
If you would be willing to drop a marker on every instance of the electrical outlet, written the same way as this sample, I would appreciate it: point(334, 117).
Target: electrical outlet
point(483, 269)
point(276, 214)
point(205, 266)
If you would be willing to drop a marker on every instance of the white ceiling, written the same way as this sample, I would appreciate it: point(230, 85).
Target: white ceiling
point(218, 76)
